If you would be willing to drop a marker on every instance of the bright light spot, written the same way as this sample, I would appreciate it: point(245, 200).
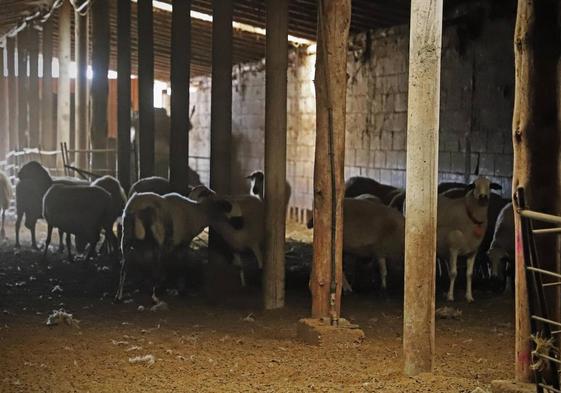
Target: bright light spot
point(160, 88)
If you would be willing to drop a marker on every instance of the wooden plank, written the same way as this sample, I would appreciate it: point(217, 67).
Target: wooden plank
point(33, 92)
point(12, 93)
point(422, 181)
point(180, 61)
point(146, 88)
point(48, 125)
point(4, 102)
point(99, 90)
point(124, 93)
point(331, 84)
point(23, 140)
point(275, 153)
point(63, 83)
point(81, 91)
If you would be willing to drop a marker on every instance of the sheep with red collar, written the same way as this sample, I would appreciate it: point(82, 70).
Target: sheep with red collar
point(462, 223)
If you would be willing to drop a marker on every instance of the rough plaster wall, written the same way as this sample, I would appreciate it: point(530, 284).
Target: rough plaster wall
point(377, 111)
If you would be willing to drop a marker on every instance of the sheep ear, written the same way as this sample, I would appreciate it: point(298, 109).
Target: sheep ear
point(139, 230)
point(158, 231)
point(495, 186)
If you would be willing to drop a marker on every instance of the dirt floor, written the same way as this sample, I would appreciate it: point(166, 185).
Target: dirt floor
point(231, 346)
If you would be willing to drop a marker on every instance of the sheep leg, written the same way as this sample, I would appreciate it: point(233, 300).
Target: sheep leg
point(48, 241)
point(469, 274)
point(69, 246)
point(122, 276)
point(33, 238)
point(2, 231)
point(239, 263)
point(346, 286)
point(61, 241)
point(382, 267)
point(258, 254)
point(452, 273)
point(18, 224)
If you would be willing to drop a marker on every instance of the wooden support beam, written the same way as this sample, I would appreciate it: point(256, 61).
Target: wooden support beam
point(63, 83)
point(180, 63)
point(99, 90)
point(422, 182)
point(33, 91)
point(536, 139)
point(4, 135)
point(221, 97)
point(48, 125)
point(275, 152)
point(23, 140)
point(146, 88)
point(331, 87)
point(81, 90)
point(12, 94)
point(124, 93)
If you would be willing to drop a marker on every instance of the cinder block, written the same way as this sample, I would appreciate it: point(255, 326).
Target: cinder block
point(399, 141)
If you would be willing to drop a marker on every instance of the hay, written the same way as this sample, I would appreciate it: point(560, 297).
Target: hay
point(61, 316)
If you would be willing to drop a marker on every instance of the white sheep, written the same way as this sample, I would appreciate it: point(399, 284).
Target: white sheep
point(156, 226)
point(257, 187)
point(79, 210)
point(461, 226)
point(502, 246)
point(5, 198)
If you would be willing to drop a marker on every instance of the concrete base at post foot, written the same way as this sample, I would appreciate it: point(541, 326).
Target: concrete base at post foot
point(320, 332)
point(500, 386)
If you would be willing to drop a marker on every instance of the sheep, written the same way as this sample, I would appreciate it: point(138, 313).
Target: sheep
point(363, 185)
point(445, 186)
point(155, 184)
point(461, 226)
point(502, 246)
point(34, 181)
point(257, 188)
point(156, 226)
point(5, 198)
point(79, 210)
point(372, 230)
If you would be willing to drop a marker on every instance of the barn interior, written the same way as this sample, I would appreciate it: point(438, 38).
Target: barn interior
point(422, 97)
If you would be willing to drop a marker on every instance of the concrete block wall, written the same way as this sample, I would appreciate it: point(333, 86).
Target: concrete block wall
point(477, 87)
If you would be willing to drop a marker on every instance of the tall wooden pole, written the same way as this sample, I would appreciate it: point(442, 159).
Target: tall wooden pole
point(124, 93)
point(23, 140)
point(63, 95)
point(536, 139)
point(100, 85)
point(275, 152)
point(180, 62)
point(146, 88)
point(422, 182)
point(48, 129)
point(4, 133)
point(81, 90)
point(12, 93)
point(331, 86)
point(33, 92)
point(221, 96)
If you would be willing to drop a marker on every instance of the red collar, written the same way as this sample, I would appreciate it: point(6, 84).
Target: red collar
point(472, 218)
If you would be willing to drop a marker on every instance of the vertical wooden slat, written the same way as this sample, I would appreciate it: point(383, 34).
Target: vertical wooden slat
point(63, 83)
point(124, 93)
point(4, 133)
point(23, 140)
point(275, 152)
point(99, 90)
point(48, 128)
point(422, 182)
point(330, 82)
point(12, 93)
point(146, 88)
point(81, 90)
point(221, 97)
point(180, 62)
point(33, 93)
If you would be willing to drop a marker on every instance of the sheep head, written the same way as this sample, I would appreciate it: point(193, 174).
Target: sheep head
point(36, 172)
point(201, 193)
point(256, 178)
point(481, 190)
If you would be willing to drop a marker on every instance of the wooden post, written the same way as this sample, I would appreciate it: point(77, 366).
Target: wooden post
point(180, 62)
point(221, 96)
point(33, 92)
point(63, 95)
point(23, 140)
point(422, 182)
point(4, 135)
point(275, 152)
point(124, 93)
point(146, 88)
point(81, 90)
point(331, 87)
point(536, 140)
point(48, 129)
point(12, 94)
point(100, 86)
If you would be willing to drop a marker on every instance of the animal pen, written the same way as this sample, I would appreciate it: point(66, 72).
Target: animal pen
point(416, 98)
